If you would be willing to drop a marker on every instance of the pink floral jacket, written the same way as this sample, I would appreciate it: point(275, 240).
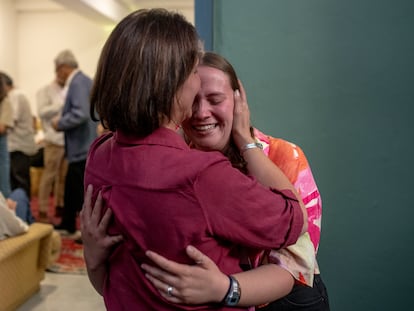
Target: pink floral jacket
point(299, 259)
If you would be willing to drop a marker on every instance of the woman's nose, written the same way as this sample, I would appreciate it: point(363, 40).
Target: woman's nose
point(201, 109)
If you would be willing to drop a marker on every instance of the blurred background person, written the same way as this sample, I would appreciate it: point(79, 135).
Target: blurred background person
point(79, 132)
point(50, 100)
point(20, 137)
point(10, 222)
point(6, 121)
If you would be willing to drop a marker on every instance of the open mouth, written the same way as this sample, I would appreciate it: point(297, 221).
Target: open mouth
point(204, 128)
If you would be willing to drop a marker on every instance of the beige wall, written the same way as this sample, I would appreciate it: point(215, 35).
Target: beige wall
point(33, 32)
point(8, 45)
point(37, 36)
point(43, 35)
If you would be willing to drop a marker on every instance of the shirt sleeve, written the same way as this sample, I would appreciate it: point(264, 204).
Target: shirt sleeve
point(78, 112)
point(48, 104)
point(299, 259)
point(292, 161)
point(21, 107)
point(308, 190)
point(239, 209)
point(6, 113)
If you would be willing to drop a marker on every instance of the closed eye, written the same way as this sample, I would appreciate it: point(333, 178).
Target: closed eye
point(216, 99)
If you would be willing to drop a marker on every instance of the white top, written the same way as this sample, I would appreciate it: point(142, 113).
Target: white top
point(10, 224)
point(50, 100)
point(21, 135)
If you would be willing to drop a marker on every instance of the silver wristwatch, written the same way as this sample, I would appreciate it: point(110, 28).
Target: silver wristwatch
point(233, 294)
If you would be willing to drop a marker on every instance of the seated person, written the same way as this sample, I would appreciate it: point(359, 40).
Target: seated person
point(15, 214)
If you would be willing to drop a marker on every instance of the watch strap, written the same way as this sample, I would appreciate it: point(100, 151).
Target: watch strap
point(232, 297)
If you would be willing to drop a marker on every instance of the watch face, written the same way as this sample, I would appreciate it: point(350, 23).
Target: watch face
point(235, 299)
point(233, 295)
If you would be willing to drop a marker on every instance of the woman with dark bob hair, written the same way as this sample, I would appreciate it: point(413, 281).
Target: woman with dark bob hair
point(163, 195)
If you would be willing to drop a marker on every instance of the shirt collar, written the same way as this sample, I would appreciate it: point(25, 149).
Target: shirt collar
point(70, 78)
point(161, 136)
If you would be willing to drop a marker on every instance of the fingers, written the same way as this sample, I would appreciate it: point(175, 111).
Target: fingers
point(240, 99)
point(158, 274)
point(91, 216)
point(241, 118)
point(165, 264)
point(191, 283)
point(237, 101)
point(162, 280)
point(97, 209)
point(106, 218)
point(111, 240)
point(169, 271)
point(94, 224)
point(87, 205)
point(103, 226)
point(162, 287)
point(242, 91)
point(198, 257)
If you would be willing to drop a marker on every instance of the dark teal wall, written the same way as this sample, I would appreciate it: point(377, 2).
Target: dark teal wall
point(337, 78)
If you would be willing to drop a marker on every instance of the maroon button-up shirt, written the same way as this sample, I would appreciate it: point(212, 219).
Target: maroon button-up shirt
point(165, 196)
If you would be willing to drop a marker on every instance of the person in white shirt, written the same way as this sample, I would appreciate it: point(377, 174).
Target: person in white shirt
point(50, 100)
point(20, 137)
point(6, 121)
point(15, 215)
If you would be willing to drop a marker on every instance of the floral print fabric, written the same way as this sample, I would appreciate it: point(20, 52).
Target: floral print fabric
point(299, 259)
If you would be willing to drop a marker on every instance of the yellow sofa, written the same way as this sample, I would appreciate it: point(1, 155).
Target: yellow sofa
point(23, 260)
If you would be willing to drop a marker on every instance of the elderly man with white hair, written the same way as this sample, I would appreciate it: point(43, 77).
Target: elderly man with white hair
point(79, 131)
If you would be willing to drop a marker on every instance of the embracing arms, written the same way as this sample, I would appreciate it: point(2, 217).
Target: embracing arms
point(258, 164)
point(205, 283)
point(97, 244)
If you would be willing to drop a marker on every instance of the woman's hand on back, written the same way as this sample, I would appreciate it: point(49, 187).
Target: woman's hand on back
point(97, 243)
point(191, 284)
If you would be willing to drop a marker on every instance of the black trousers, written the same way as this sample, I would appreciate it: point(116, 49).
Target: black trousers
point(73, 199)
point(302, 298)
point(20, 171)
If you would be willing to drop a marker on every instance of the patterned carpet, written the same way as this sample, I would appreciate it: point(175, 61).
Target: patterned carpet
point(71, 258)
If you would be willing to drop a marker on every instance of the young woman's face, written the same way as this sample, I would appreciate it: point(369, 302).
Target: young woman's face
point(209, 127)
